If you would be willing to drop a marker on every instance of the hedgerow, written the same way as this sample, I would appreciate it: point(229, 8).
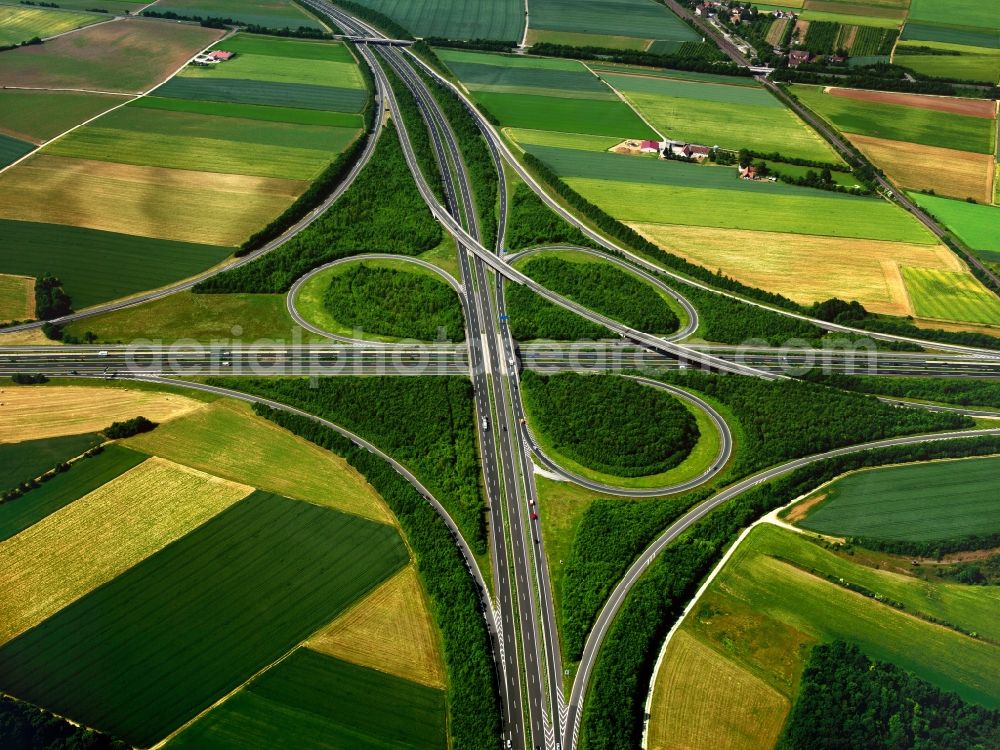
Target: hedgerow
point(959, 391)
point(473, 706)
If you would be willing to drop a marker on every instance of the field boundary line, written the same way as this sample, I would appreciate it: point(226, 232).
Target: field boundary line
point(626, 101)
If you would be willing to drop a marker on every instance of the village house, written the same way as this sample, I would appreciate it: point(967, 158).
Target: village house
point(213, 58)
point(685, 150)
point(798, 56)
point(650, 147)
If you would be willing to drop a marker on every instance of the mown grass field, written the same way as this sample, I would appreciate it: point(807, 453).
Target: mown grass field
point(867, 270)
point(274, 14)
point(192, 622)
point(851, 19)
point(604, 20)
point(187, 206)
point(730, 116)
point(28, 459)
point(946, 295)
point(931, 501)
point(277, 68)
point(17, 297)
point(98, 537)
point(971, 64)
point(315, 701)
point(202, 317)
point(580, 39)
point(32, 412)
point(228, 440)
point(390, 630)
point(19, 24)
point(456, 19)
point(900, 123)
point(968, 13)
point(975, 225)
point(84, 477)
point(591, 117)
point(558, 139)
point(244, 91)
point(704, 700)
point(127, 56)
point(97, 266)
point(257, 112)
point(37, 116)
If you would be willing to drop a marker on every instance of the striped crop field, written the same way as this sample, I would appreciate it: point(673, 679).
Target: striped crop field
point(561, 114)
point(37, 116)
point(228, 440)
point(12, 149)
point(599, 23)
point(272, 68)
point(456, 19)
point(244, 91)
point(257, 112)
point(96, 538)
point(967, 63)
point(730, 116)
point(192, 622)
point(19, 24)
point(976, 225)
point(32, 412)
point(315, 701)
point(945, 295)
point(919, 502)
point(84, 477)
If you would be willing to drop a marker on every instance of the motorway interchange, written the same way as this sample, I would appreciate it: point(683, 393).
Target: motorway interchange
point(521, 616)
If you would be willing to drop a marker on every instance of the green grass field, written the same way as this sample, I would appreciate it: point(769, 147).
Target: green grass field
point(539, 81)
point(257, 112)
point(730, 116)
point(257, 67)
point(948, 295)
point(313, 701)
point(965, 35)
point(98, 266)
point(40, 115)
point(242, 91)
point(85, 476)
point(767, 606)
point(563, 140)
point(193, 621)
point(969, 13)
point(972, 63)
point(456, 19)
point(32, 458)
point(276, 46)
point(976, 225)
point(614, 18)
point(851, 19)
point(898, 123)
point(676, 75)
point(930, 501)
point(19, 24)
point(12, 149)
point(274, 14)
point(567, 115)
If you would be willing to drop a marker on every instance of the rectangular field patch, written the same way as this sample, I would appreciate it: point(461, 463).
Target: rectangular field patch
point(970, 107)
point(12, 149)
point(33, 412)
point(191, 623)
point(23, 461)
point(19, 24)
point(945, 295)
point(242, 91)
point(96, 538)
point(978, 226)
point(37, 116)
point(275, 14)
point(17, 297)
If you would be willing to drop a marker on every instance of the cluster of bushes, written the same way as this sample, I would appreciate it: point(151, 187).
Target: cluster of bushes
point(39, 5)
point(620, 681)
point(634, 57)
point(56, 333)
point(984, 572)
point(936, 548)
point(776, 421)
point(25, 378)
point(530, 223)
point(128, 428)
point(606, 289)
point(382, 211)
point(958, 391)
point(456, 602)
point(427, 423)
point(609, 423)
point(418, 131)
point(51, 300)
point(26, 727)
point(727, 321)
point(477, 155)
point(388, 302)
point(30, 484)
point(531, 316)
point(847, 700)
point(373, 17)
point(487, 45)
point(28, 43)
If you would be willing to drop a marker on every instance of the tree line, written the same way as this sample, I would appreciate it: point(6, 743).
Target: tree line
point(26, 727)
point(958, 391)
point(696, 63)
point(224, 22)
point(426, 422)
point(382, 211)
point(614, 710)
point(128, 428)
point(418, 133)
point(456, 602)
point(609, 423)
point(848, 701)
point(530, 223)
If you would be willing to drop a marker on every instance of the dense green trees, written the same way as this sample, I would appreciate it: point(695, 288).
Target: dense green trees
point(960, 391)
point(427, 423)
point(723, 320)
point(382, 211)
point(25, 727)
point(389, 302)
point(51, 300)
point(620, 682)
point(534, 317)
point(530, 223)
point(848, 701)
point(473, 706)
point(609, 423)
point(419, 134)
point(605, 289)
point(128, 428)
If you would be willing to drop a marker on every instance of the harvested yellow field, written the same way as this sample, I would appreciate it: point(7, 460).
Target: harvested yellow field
point(175, 204)
point(227, 439)
point(703, 701)
point(958, 174)
point(31, 412)
point(33, 337)
point(17, 298)
point(96, 538)
point(807, 269)
point(390, 630)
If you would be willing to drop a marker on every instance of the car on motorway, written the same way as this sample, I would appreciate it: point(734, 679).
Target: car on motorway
point(102, 353)
point(485, 423)
point(534, 516)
